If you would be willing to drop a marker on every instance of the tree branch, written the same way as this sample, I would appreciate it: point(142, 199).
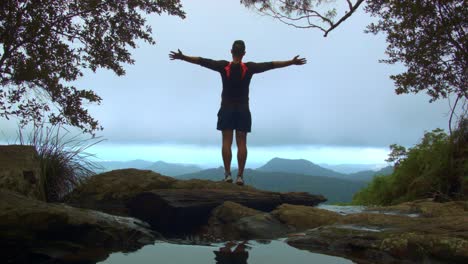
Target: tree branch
point(351, 11)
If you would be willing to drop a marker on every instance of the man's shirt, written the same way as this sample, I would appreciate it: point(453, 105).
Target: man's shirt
point(236, 78)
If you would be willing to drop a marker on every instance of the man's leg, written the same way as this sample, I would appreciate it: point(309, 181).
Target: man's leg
point(226, 150)
point(241, 140)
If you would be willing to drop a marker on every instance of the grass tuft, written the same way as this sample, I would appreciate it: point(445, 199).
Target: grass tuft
point(65, 164)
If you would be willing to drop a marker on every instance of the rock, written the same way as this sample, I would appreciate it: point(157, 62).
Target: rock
point(232, 221)
point(387, 246)
point(167, 203)
point(167, 210)
point(427, 208)
point(440, 236)
point(34, 231)
point(110, 191)
point(304, 217)
point(261, 226)
point(20, 171)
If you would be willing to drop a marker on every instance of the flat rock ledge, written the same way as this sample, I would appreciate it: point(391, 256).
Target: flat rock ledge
point(173, 207)
point(33, 231)
point(438, 235)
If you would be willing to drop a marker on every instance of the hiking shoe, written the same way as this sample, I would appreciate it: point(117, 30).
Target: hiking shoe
point(240, 180)
point(228, 178)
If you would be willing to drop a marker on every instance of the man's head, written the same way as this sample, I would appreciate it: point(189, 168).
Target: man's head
point(238, 49)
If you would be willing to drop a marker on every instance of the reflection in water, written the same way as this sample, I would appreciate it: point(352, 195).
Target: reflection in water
point(251, 252)
point(226, 254)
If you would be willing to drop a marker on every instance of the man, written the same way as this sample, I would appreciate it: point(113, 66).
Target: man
point(234, 113)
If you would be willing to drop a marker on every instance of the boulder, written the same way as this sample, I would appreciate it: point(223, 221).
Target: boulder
point(232, 221)
point(20, 171)
point(304, 217)
point(33, 231)
point(167, 210)
point(110, 191)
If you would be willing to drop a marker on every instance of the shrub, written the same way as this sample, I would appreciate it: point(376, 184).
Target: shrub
point(437, 167)
point(64, 162)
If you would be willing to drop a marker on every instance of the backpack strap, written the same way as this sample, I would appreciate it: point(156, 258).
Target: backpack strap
point(244, 69)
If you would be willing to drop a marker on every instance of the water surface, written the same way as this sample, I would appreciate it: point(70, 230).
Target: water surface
point(269, 252)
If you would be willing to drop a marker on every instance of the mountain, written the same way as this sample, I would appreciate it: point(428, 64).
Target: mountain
point(301, 166)
point(115, 165)
point(173, 169)
point(335, 190)
point(369, 174)
point(298, 166)
point(352, 168)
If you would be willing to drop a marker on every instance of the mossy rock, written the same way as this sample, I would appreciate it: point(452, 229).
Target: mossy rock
point(59, 232)
point(305, 217)
point(110, 191)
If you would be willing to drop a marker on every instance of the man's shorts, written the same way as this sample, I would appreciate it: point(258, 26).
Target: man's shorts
point(234, 118)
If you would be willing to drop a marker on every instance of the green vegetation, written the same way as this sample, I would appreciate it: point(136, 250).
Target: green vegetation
point(436, 167)
point(46, 45)
point(64, 162)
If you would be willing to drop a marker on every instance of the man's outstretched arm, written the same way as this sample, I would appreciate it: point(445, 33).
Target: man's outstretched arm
point(180, 56)
point(207, 63)
point(295, 61)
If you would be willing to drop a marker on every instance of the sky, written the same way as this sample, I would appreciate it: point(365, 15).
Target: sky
point(339, 108)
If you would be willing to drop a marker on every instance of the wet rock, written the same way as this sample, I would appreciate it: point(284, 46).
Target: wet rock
point(32, 231)
point(365, 246)
point(427, 208)
point(20, 171)
point(304, 217)
point(232, 221)
point(441, 237)
point(261, 226)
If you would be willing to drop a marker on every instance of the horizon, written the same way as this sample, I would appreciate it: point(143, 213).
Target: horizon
point(375, 166)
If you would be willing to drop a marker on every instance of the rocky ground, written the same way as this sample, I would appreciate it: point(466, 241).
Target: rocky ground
point(100, 217)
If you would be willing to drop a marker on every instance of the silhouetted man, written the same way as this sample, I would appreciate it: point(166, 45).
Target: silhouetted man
point(234, 113)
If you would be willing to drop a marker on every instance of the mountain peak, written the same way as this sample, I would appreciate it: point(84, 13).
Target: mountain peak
point(298, 166)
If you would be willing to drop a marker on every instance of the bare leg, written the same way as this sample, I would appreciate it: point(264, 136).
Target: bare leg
point(241, 140)
point(226, 150)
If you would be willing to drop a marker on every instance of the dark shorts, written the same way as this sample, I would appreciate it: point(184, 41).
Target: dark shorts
point(234, 118)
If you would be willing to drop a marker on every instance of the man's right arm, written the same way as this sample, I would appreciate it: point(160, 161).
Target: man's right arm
point(180, 56)
point(207, 63)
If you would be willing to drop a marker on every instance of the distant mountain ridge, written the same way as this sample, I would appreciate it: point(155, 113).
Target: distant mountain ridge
point(352, 168)
point(302, 166)
point(334, 189)
point(165, 168)
point(173, 169)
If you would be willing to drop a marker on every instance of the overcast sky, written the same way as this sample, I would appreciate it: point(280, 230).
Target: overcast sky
point(338, 108)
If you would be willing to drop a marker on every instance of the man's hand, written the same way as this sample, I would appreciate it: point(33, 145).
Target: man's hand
point(298, 61)
point(176, 55)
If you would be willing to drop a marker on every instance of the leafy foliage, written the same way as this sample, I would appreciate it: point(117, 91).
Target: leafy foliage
point(64, 162)
point(436, 167)
point(46, 44)
point(430, 39)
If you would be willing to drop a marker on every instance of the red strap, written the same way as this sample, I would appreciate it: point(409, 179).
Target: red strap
point(243, 67)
